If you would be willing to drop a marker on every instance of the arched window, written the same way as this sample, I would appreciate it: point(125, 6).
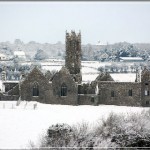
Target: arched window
point(35, 89)
point(63, 90)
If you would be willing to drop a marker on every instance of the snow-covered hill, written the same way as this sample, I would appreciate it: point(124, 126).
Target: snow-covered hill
point(24, 123)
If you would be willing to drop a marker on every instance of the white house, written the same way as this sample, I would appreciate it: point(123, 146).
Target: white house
point(3, 56)
point(20, 54)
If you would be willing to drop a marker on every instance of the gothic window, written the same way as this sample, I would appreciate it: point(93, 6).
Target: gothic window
point(35, 89)
point(147, 102)
point(63, 90)
point(146, 83)
point(146, 93)
point(112, 94)
point(130, 92)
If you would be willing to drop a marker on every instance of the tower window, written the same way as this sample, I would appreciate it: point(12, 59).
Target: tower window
point(63, 90)
point(130, 92)
point(146, 93)
point(146, 83)
point(35, 89)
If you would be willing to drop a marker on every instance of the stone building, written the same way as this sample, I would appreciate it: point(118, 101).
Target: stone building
point(66, 87)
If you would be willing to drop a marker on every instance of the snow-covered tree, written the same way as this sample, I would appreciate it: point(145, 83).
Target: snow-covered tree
point(40, 55)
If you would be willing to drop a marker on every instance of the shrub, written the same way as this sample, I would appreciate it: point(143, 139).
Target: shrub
point(59, 135)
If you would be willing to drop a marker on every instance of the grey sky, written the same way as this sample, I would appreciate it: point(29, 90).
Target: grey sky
point(47, 21)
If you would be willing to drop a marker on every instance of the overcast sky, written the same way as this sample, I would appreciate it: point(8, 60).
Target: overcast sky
point(98, 21)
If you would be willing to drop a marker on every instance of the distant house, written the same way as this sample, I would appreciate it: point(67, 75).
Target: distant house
point(131, 59)
point(3, 56)
point(20, 54)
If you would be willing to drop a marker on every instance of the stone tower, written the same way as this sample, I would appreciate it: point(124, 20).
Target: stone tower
point(73, 55)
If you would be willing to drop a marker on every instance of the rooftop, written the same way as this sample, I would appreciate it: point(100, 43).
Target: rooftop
point(131, 58)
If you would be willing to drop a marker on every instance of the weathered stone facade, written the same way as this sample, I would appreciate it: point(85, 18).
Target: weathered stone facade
point(61, 80)
point(119, 93)
point(65, 87)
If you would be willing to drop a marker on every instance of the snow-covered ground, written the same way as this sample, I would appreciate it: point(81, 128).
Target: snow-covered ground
point(51, 68)
point(87, 78)
point(21, 124)
point(123, 77)
point(118, 77)
point(89, 70)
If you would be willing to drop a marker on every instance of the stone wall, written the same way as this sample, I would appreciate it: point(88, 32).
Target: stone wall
point(87, 99)
point(5, 97)
point(120, 96)
point(86, 89)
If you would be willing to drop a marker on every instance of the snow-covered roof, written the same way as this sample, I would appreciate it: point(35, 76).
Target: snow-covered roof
point(131, 58)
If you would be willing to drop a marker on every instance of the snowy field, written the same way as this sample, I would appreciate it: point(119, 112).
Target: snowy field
point(90, 70)
point(88, 78)
point(123, 77)
point(21, 124)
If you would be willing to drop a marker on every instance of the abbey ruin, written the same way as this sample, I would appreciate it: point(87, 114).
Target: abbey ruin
point(66, 87)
